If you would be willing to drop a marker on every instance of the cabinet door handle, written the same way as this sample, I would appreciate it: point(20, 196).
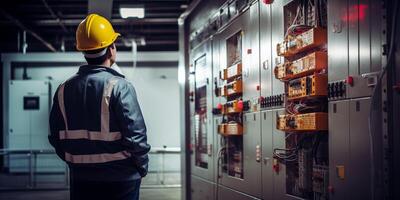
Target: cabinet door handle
point(266, 159)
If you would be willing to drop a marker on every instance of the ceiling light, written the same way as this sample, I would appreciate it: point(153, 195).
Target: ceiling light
point(126, 12)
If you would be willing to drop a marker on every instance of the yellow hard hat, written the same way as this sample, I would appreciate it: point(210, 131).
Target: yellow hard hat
point(95, 32)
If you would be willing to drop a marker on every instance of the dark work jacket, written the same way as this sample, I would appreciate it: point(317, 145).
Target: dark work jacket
point(83, 95)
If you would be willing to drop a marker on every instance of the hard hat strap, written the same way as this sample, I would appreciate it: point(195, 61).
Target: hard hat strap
point(95, 55)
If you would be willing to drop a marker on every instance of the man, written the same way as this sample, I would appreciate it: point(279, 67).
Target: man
point(96, 123)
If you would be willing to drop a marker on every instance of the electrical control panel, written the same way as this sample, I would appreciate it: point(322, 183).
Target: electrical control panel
point(282, 72)
point(231, 128)
point(337, 90)
point(232, 107)
point(227, 129)
point(320, 180)
point(232, 89)
point(308, 86)
point(272, 101)
point(304, 73)
point(309, 64)
point(303, 122)
point(315, 37)
point(232, 72)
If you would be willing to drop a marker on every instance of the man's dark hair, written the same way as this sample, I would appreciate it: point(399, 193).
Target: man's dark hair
point(99, 60)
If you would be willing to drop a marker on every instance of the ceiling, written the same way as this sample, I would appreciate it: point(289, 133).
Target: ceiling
point(50, 24)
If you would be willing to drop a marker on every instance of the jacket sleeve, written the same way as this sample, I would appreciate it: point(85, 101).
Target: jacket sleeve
point(56, 123)
point(132, 125)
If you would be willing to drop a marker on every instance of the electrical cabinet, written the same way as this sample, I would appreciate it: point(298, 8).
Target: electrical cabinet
point(202, 123)
point(250, 52)
point(201, 189)
point(266, 60)
point(227, 193)
point(240, 161)
point(277, 36)
point(355, 45)
point(291, 87)
point(247, 162)
point(350, 177)
point(278, 169)
point(29, 105)
point(267, 156)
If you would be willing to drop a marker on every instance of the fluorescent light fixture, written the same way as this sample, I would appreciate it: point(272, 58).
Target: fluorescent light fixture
point(127, 12)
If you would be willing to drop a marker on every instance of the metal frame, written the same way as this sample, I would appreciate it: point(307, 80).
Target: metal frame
point(33, 154)
point(248, 23)
point(204, 49)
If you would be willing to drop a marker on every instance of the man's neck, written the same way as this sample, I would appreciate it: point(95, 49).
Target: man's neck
point(106, 63)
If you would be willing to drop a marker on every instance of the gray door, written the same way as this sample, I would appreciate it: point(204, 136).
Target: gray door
point(277, 36)
point(201, 189)
point(339, 152)
point(266, 138)
point(266, 49)
point(279, 178)
point(202, 120)
point(360, 162)
point(251, 140)
point(225, 193)
point(251, 54)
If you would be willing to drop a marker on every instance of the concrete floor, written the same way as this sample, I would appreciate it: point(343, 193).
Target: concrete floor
point(145, 194)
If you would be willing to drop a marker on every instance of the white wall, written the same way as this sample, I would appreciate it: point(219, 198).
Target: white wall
point(158, 95)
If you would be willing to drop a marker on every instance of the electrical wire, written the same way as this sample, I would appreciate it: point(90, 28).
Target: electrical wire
point(374, 99)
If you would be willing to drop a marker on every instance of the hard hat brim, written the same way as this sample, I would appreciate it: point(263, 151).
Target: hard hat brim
point(104, 45)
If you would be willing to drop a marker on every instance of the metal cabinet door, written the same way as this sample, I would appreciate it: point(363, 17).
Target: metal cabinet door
point(251, 182)
point(278, 141)
point(250, 53)
point(339, 152)
point(266, 71)
point(217, 147)
point(28, 128)
point(225, 193)
point(277, 36)
point(360, 162)
point(365, 45)
point(266, 138)
point(19, 118)
point(216, 68)
point(201, 189)
point(338, 49)
point(203, 52)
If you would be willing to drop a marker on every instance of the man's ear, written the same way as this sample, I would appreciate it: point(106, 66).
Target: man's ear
point(109, 51)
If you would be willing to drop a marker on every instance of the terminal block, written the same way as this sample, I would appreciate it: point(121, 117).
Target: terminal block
point(308, 86)
point(309, 64)
point(320, 181)
point(235, 106)
point(303, 122)
point(315, 37)
point(227, 129)
point(337, 90)
point(231, 72)
point(305, 161)
point(234, 88)
point(272, 101)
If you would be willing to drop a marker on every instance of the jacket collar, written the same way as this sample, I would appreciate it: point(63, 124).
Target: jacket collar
point(89, 69)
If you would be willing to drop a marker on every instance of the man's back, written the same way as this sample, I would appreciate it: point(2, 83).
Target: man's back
point(97, 126)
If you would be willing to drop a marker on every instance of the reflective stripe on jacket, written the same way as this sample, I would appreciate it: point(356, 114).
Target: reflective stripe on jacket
point(97, 126)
